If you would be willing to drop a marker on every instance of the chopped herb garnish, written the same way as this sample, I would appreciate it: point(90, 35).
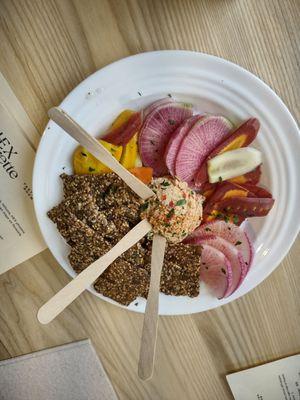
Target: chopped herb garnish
point(165, 183)
point(171, 213)
point(152, 142)
point(171, 121)
point(169, 95)
point(113, 150)
point(220, 179)
point(246, 263)
point(238, 242)
point(91, 169)
point(136, 304)
point(144, 206)
point(139, 93)
point(189, 105)
point(207, 229)
point(180, 202)
point(226, 218)
point(235, 219)
point(223, 270)
point(84, 154)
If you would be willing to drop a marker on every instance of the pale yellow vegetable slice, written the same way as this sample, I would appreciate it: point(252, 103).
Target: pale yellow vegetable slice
point(233, 163)
point(85, 163)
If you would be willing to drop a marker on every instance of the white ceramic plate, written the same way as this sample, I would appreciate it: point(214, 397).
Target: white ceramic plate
point(212, 85)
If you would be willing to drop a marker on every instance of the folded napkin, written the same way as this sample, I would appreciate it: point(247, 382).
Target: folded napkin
point(69, 372)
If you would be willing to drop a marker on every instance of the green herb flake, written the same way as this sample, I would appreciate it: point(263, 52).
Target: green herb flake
point(237, 243)
point(171, 213)
point(235, 219)
point(144, 206)
point(83, 154)
point(91, 169)
point(181, 202)
point(152, 142)
point(169, 95)
point(226, 218)
point(208, 229)
point(139, 93)
point(165, 183)
point(220, 179)
point(171, 121)
point(223, 270)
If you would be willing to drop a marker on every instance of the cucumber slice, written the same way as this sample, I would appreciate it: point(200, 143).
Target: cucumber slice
point(233, 163)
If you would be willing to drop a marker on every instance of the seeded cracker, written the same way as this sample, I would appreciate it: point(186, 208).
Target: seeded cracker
point(97, 211)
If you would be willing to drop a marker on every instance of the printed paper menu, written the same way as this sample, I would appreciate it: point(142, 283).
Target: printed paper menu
point(20, 238)
point(278, 380)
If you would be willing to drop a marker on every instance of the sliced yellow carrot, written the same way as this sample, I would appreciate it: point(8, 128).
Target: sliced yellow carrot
point(85, 163)
point(129, 153)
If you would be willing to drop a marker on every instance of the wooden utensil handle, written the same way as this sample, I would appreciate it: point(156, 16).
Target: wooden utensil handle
point(73, 289)
point(149, 334)
point(67, 123)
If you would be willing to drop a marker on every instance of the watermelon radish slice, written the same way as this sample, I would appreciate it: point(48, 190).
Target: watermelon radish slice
point(156, 131)
point(230, 232)
point(205, 135)
point(215, 271)
point(241, 137)
point(234, 256)
point(148, 110)
point(175, 142)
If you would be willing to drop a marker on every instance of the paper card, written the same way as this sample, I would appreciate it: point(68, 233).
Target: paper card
point(278, 380)
point(20, 237)
point(69, 372)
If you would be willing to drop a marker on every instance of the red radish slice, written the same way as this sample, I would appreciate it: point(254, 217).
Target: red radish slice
point(156, 132)
point(121, 136)
point(215, 271)
point(230, 232)
point(234, 256)
point(241, 137)
point(198, 143)
point(175, 142)
point(147, 110)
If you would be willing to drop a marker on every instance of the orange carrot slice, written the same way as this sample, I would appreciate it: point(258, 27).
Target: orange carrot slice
point(144, 174)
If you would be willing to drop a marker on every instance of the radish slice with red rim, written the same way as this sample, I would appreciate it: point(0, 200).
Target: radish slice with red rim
point(234, 256)
point(215, 271)
point(175, 142)
point(230, 232)
point(156, 132)
point(204, 136)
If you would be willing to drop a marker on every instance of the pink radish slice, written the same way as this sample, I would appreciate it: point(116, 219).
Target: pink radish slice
point(205, 135)
point(175, 141)
point(215, 271)
point(156, 132)
point(234, 256)
point(147, 110)
point(230, 232)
